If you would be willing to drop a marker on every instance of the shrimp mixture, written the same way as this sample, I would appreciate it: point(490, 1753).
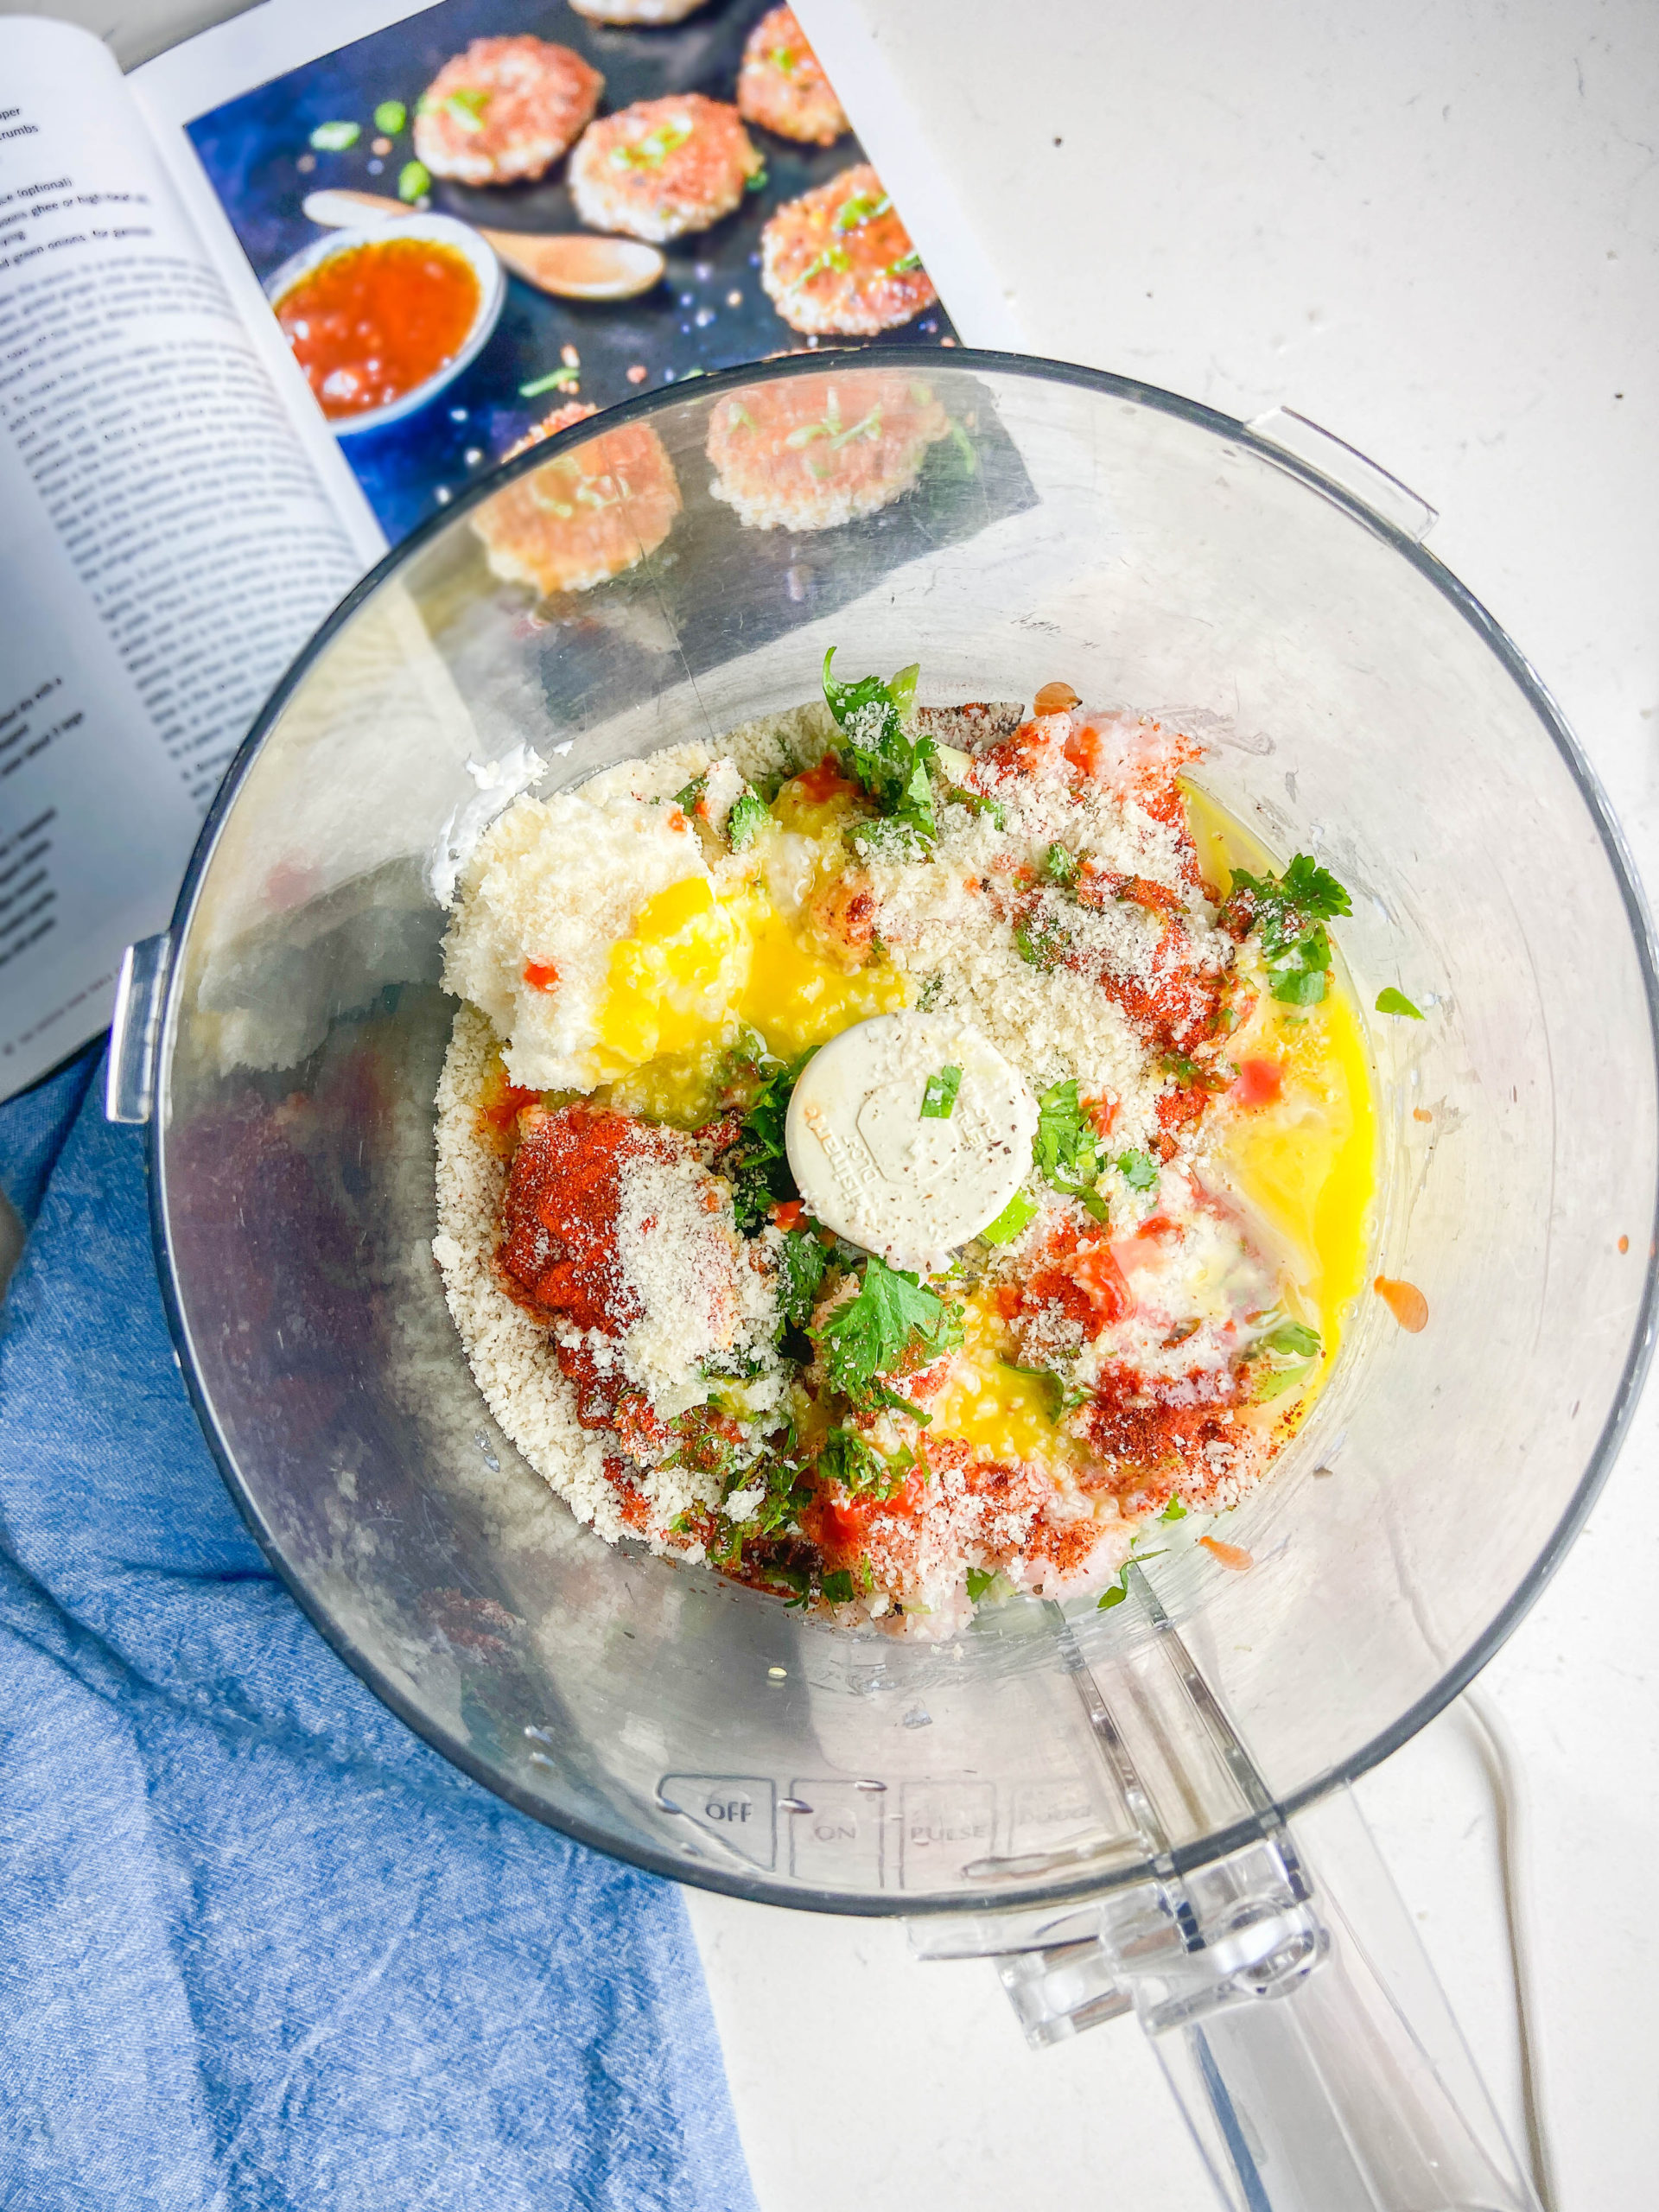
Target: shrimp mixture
point(648, 963)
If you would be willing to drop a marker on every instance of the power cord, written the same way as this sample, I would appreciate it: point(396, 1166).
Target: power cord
point(1507, 1776)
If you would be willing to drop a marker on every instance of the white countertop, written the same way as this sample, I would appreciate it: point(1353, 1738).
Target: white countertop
point(1435, 231)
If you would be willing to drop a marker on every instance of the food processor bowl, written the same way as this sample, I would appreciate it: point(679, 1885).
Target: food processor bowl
point(1049, 1766)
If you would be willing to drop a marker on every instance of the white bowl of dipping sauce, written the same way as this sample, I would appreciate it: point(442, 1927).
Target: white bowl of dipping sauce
point(381, 318)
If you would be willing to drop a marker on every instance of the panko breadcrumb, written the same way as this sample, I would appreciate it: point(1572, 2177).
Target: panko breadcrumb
point(588, 515)
point(839, 263)
point(811, 452)
point(506, 109)
point(661, 168)
point(782, 85)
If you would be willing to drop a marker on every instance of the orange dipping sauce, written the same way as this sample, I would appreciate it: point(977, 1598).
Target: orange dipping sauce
point(371, 323)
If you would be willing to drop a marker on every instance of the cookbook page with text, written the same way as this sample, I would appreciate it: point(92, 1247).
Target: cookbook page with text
point(167, 547)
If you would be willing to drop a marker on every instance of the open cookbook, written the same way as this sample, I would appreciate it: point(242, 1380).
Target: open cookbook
point(277, 298)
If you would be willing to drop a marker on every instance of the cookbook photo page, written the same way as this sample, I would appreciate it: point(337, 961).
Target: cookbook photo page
point(743, 216)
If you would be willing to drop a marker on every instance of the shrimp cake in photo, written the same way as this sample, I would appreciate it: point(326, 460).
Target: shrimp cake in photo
point(838, 262)
point(782, 85)
point(811, 452)
point(661, 168)
point(504, 110)
point(648, 12)
point(588, 515)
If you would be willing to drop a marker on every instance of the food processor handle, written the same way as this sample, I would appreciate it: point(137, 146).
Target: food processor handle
point(1311, 2093)
point(1288, 1996)
point(1309, 2043)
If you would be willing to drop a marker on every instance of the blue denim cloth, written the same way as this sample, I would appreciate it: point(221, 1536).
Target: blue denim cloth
point(259, 1947)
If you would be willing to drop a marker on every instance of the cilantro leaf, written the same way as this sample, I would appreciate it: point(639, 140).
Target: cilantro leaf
point(1116, 1593)
point(1040, 943)
point(1314, 889)
point(878, 749)
point(758, 1163)
point(893, 1314)
point(1289, 1348)
point(847, 1457)
point(980, 1580)
point(1292, 1340)
point(939, 1098)
point(1138, 1169)
point(800, 1273)
point(1063, 1148)
point(1173, 1511)
point(1288, 913)
point(976, 803)
point(1393, 1001)
point(1062, 1395)
point(1061, 867)
point(837, 1586)
point(688, 796)
point(1018, 1213)
point(747, 817)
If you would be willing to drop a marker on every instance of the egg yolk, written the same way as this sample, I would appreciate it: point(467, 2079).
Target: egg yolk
point(1004, 1412)
point(702, 964)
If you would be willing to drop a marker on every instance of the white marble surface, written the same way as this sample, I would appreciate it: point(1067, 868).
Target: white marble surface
point(1436, 232)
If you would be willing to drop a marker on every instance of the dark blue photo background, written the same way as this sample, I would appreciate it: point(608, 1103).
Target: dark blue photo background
point(709, 312)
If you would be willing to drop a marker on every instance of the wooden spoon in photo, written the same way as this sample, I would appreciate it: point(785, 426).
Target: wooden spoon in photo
point(569, 264)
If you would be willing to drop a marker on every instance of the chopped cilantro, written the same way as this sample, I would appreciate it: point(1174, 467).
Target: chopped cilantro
point(1288, 1349)
point(1116, 1593)
point(1061, 867)
point(1065, 1147)
point(837, 1586)
point(939, 1098)
point(1018, 1213)
point(1292, 1340)
point(335, 138)
point(976, 803)
point(1393, 1001)
point(880, 750)
point(690, 793)
point(759, 180)
point(746, 820)
point(894, 1314)
point(800, 1274)
point(759, 1165)
point(1039, 943)
point(1061, 1394)
point(1173, 1511)
point(847, 1457)
point(1289, 913)
point(980, 1580)
point(1138, 1169)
